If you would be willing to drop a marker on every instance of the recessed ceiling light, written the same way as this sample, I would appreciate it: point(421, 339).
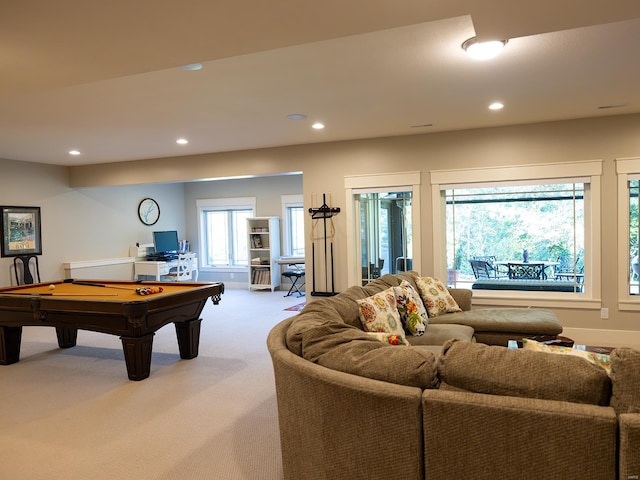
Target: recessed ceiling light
point(483, 50)
point(182, 141)
point(297, 116)
point(496, 106)
point(191, 66)
point(74, 152)
point(318, 126)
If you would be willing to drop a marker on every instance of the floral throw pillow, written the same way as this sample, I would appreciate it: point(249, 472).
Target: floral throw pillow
point(390, 338)
point(379, 313)
point(412, 313)
point(435, 296)
point(600, 359)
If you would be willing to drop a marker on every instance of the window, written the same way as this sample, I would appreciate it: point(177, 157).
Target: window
point(628, 171)
point(517, 237)
point(385, 232)
point(383, 215)
point(293, 225)
point(223, 231)
point(535, 229)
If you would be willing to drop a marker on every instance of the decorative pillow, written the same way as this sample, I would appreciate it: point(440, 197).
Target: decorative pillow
point(435, 296)
point(625, 380)
point(600, 359)
point(390, 338)
point(412, 313)
point(379, 313)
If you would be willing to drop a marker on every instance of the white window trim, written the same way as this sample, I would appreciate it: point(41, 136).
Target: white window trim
point(625, 168)
point(288, 201)
point(401, 181)
point(591, 297)
point(220, 204)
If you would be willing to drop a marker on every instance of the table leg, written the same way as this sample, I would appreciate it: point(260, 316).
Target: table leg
point(67, 337)
point(188, 334)
point(10, 338)
point(137, 355)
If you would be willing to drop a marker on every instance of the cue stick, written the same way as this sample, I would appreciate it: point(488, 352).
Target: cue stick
point(91, 284)
point(62, 294)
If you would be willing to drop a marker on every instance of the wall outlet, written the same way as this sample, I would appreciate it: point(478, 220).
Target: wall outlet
point(604, 313)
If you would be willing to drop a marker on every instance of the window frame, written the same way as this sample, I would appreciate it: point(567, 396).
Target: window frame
point(209, 204)
point(289, 201)
point(625, 168)
point(590, 298)
point(407, 181)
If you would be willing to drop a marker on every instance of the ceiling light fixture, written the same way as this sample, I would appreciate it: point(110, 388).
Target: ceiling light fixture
point(496, 106)
point(483, 50)
point(74, 152)
point(182, 141)
point(318, 126)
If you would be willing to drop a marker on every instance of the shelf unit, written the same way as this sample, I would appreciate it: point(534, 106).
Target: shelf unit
point(264, 249)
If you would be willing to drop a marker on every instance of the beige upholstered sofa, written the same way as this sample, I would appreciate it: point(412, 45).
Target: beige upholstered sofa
point(351, 407)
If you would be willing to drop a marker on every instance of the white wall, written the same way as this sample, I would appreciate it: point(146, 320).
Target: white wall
point(84, 223)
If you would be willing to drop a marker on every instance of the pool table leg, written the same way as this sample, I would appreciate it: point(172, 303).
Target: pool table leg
point(188, 334)
point(67, 337)
point(10, 338)
point(137, 355)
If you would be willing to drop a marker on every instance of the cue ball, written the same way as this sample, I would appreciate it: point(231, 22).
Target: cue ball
point(52, 287)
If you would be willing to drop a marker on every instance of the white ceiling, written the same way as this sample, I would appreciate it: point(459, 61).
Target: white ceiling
point(102, 77)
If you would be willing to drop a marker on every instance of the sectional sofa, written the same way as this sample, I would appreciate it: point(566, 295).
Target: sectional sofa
point(448, 406)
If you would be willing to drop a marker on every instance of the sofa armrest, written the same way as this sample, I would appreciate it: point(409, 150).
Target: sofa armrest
point(513, 438)
point(629, 441)
point(462, 296)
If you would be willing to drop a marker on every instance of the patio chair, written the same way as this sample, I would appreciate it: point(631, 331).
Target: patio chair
point(494, 267)
point(482, 269)
point(526, 271)
point(567, 270)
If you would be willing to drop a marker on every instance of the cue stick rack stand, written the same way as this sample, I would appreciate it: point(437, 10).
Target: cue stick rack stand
point(323, 214)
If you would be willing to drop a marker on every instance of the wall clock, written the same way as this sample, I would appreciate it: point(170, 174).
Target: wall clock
point(148, 211)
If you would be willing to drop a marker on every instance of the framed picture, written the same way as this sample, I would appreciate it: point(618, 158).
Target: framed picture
point(21, 232)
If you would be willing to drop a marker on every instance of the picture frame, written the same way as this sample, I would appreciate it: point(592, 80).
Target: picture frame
point(21, 231)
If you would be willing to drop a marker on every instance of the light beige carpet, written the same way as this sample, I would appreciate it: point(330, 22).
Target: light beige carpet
point(73, 414)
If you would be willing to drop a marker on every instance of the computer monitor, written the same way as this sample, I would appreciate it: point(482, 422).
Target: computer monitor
point(166, 242)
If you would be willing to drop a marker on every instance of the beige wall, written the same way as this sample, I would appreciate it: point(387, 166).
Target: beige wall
point(324, 167)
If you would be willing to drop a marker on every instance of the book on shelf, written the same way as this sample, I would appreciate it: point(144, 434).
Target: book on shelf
point(261, 276)
point(256, 241)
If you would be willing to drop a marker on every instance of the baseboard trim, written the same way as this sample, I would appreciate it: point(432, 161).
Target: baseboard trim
point(603, 337)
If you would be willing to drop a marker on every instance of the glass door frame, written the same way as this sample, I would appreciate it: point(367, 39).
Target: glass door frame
point(396, 182)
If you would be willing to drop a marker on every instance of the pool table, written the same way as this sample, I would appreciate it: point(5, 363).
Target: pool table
point(112, 307)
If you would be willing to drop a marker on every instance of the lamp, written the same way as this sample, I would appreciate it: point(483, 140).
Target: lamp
point(483, 50)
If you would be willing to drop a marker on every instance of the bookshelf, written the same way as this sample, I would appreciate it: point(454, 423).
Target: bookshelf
point(264, 249)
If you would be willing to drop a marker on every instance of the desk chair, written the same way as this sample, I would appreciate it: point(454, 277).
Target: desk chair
point(182, 272)
point(22, 265)
point(294, 276)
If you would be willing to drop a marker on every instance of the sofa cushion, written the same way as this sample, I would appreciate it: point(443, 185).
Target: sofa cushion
point(525, 321)
point(347, 349)
point(435, 296)
point(600, 359)
point(497, 370)
point(379, 313)
point(412, 312)
point(625, 378)
point(438, 334)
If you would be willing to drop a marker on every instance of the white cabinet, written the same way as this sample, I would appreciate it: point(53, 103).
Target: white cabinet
point(264, 249)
